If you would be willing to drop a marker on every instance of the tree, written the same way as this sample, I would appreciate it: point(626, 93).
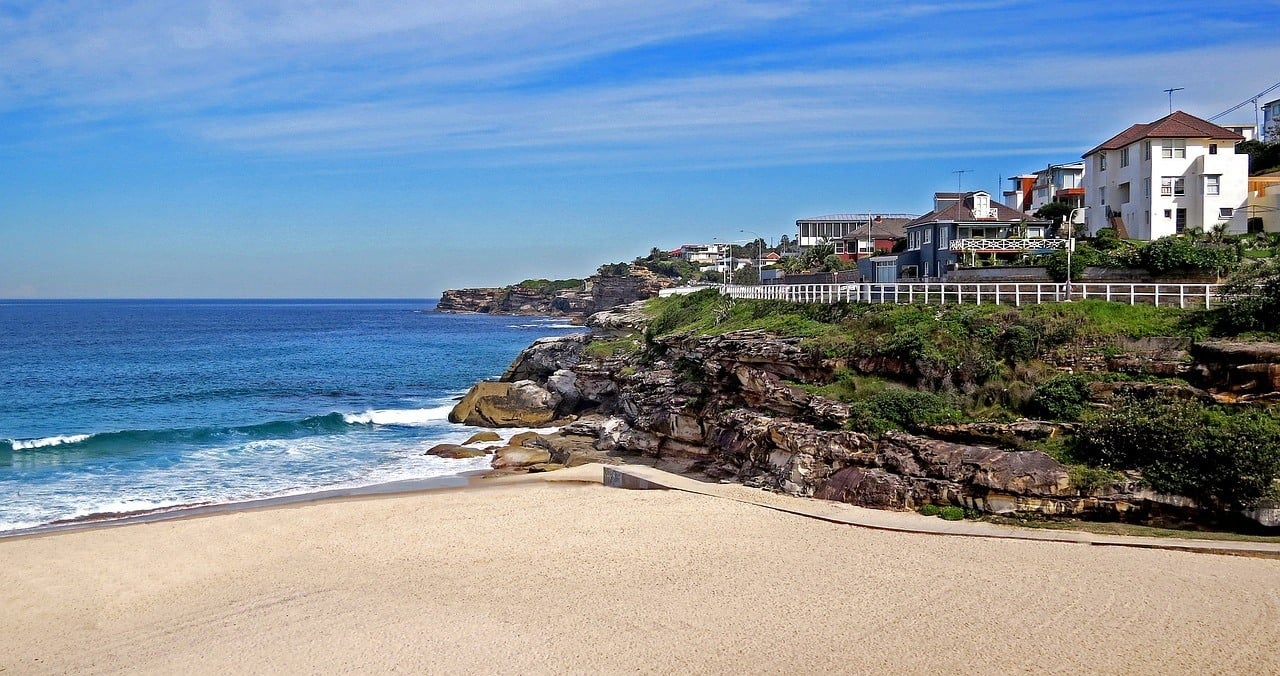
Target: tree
point(1055, 211)
point(1263, 156)
point(748, 275)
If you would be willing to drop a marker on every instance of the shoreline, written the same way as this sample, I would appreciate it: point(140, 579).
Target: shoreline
point(466, 479)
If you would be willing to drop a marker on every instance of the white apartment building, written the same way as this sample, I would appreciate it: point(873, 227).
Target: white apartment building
point(1054, 183)
point(1165, 177)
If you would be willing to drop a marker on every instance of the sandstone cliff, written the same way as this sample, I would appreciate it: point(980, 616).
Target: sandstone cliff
point(597, 293)
point(733, 407)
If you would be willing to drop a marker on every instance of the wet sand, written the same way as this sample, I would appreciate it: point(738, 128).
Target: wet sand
point(539, 577)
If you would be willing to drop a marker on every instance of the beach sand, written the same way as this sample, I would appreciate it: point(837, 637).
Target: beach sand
point(538, 577)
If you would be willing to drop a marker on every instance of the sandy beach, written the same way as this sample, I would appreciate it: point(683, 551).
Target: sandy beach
point(540, 578)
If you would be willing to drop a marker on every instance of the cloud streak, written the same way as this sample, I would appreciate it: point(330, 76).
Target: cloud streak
point(537, 82)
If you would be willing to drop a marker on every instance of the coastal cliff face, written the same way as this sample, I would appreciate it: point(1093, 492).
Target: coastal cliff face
point(596, 294)
point(735, 407)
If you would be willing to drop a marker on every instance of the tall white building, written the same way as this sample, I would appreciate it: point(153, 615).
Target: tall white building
point(1162, 178)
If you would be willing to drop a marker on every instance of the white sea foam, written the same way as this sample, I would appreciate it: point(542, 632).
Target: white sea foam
point(26, 444)
point(412, 417)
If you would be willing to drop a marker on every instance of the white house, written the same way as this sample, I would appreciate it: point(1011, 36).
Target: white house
point(1054, 183)
point(703, 253)
point(1162, 178)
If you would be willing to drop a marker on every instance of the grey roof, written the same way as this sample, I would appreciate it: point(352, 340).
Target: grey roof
point(854, 218)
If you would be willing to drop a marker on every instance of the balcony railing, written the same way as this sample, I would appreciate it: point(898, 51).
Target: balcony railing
point(1012, 244)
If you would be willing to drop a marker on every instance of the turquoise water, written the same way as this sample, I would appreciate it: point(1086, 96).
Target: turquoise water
point(115, 406)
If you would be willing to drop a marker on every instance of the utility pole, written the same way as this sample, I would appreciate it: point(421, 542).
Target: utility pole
point(1170, 92)
point(960, 176)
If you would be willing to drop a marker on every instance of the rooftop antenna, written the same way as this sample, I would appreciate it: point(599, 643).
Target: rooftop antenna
point(1170, 92)
point(960, 176)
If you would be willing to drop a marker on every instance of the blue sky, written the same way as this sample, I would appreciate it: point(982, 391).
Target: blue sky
point(345, 149)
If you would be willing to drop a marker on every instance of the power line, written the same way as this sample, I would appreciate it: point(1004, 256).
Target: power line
point(1246, 102)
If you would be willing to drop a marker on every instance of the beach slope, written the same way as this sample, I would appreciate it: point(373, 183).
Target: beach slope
point(537, 578)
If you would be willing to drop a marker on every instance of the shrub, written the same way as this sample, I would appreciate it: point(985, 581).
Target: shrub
point(1217, 455)
point(952, 513)
point(901, 409)
point(1177, 254)
point(1061, 397)
point(929, 510)
point(1250, 299)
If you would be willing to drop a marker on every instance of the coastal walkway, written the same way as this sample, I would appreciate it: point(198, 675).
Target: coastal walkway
point(641, 477)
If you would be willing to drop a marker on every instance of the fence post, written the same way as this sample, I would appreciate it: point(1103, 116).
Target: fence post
point(1182, 296)
point(1206, 296)
point(1017, 295)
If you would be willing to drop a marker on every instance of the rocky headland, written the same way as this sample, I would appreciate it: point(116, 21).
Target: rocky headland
point(741, 406)
point(540, 297)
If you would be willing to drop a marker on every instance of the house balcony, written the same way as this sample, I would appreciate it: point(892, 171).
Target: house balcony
point(1011, 244)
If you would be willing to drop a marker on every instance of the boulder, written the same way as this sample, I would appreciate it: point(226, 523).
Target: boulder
point(516, 457)
point(519, 404)
point(454, 452)
point(866, 487)
point(480, 437)
point(545, 357)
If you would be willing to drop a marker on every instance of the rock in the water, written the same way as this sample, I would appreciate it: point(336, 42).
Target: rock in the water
point(454, 452)
point(480, 437)
point(519, 404)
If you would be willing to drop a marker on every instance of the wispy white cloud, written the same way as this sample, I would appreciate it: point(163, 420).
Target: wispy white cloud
point(533, 82)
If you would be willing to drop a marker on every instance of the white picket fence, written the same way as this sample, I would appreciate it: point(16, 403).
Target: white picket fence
point(978, 293)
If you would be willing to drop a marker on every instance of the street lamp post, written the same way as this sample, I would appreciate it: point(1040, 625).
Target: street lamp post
point(1071, 244)
point(759, 256)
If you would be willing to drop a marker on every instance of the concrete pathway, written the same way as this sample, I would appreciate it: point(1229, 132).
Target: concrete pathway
point(641, 477)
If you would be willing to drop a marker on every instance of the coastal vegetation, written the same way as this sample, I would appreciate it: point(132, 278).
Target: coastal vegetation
point(916, 367)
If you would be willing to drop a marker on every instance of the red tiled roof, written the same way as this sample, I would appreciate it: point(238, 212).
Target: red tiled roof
point(962, 211)
point(1174, 125)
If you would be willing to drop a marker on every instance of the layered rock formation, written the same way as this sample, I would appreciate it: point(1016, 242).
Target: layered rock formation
point(732, 407)
point(596, 294)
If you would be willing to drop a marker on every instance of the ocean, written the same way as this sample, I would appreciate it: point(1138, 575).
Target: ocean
point(109, 407)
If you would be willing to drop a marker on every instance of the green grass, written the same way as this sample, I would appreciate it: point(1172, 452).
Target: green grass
point(604, 349)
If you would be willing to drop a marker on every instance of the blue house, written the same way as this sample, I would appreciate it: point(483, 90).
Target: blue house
point(963, 230)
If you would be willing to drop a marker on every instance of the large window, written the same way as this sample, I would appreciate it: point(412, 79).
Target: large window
point(1102, 161)
point(1146, 187)
point(1146, 150)
point(1124, 157)
point(1212, 184)
point(1171, 148)
point(1172, 186)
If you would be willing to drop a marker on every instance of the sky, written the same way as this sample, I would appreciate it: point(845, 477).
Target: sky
point(258, 149)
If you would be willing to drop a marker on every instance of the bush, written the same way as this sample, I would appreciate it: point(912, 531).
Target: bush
point(1179, 254)
point(951, 513)
point(1217, 455)
point(929, 510)
point(901, 409)
point(1250, 300)
point(1061, 397)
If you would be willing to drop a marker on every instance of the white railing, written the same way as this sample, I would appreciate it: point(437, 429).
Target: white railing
point(1011, 244)
point(943, 293)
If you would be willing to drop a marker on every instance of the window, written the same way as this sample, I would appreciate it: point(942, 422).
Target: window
point(1147, 216)
point(1146, 150)
point(1172, 186)
point(1168, 213)
point(1102, 161)
point(1102, 195)
point(1213, 148)
point(1124, 157)
point(1173, 148)
point(1212, 184)
point(1180, 221)
point(913, 240)
point(1146, 187)
point(944, 236)
point(1226, 212)
point(928, 236)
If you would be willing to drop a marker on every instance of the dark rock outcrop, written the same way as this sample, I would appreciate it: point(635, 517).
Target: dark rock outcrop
point(597, 293)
